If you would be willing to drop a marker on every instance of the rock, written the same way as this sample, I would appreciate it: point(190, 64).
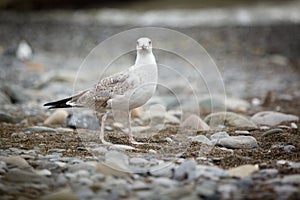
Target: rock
point(271, 118)
point(43, 172)
point(272, 131)
point(294, 125)
point(57, 117)
point(289, 148)
point(228, 119)
point(242, 171)
point(286, 191)
point(164, 169)
point(15, 161)
point(24, 51)
point(236, 104)
point(265, 174)
point(83, 120)
point(217, 136)
point(120, 147)
point(138, 161)
point(238, 142)
point(165, 182)
point(20, 176)
point(212, 104)
point(182, 172)
point(61, 195)
point(39, 129)
point(4, 99)
point(201, 139)
point(292, 179)
point(137, 112)
point(194, 122)
point(7, 118)
point(242, 132)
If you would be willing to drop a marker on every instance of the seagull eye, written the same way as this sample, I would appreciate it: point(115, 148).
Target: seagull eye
point(149, 42)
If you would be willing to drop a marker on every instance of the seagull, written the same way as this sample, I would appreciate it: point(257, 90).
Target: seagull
point(127, 89)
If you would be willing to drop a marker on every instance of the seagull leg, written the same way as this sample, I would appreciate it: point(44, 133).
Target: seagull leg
point(101, 136)
point(131, 139)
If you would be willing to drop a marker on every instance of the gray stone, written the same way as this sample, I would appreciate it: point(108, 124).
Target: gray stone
point(217, 136)
point(4, 117)
point(138, 161)
point(60, 195)
point(164, 169)
point(15, 161)
point(238, 142)
point(265, 174)
point(20, 176)
point(85, 181)
point(39, 129)
point(271, 118)
point(242, 132)
point(200, 139)
point(194, 122)
point(286, 191)
point(182, 172)
point(228, 119)
point(272, 131)
point(165, 182)
point(83, 120)
point(293, 179)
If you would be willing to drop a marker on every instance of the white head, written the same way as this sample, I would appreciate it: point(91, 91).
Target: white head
point(144, 44)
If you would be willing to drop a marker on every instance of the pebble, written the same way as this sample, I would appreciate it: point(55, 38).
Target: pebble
point(243, 171)
point(194, 122)
point(4, 117)
point(83, 120)
point(272, 131)
point(217, 136)
point(200, 139)
point(242, 132)
point(229, 119)
point(66, 193)
point(39, 129)
point(24, 51)
point(165, 182)
point(120, 147)
point(43, 172)
point(292, 179)
point(271, 118)
point(294, 125)
point(57, 117)
point(182, 172)
point(237, 104)
point(15, 161)
point(238, 142)
point(138, 161)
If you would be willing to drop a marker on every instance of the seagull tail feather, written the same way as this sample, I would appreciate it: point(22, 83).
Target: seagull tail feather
point(65, 103)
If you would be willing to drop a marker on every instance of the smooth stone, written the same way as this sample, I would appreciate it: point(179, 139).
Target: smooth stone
point(61, 179)
point(265, 174)
point(238, 142)
point(43, 172)
point(217, 136)
point(4, 117)
point(4, 100)
point(3, 167)
point(286, 191)
point(228, 119)
point(18, 135)
point(243, 171)
point(292, 179)
point(288, 148)
point(64, 130)
point(83, 120)
point(194, 122)
point(85, 181)
point(182, 172)
point(168, 139)
point(237, 104)
point(242, 132)
point(39, 129)
point(294, 125)
point(120, 147)
point(80, 166)
point(84, 193)
point(138, 161)
point(15, 161)
point(61, 195)
point(165, 182)
point(57, 117)
point(210, 172)
point(20, 176)
point(209, 104)
point(272, 131)
point(200, 139)
point(271, 118)
point(165, 169)
point(207, 189)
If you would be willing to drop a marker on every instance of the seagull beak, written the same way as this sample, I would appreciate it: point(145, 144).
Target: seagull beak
point(144, 47)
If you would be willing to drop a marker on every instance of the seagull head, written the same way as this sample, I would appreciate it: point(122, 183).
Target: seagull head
point(144, 44)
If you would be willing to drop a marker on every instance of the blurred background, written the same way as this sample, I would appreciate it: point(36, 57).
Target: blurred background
point(255, 44)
